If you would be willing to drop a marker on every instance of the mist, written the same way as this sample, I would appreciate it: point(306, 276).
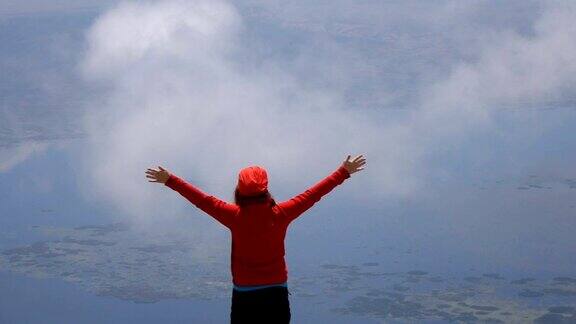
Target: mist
point(184, 85)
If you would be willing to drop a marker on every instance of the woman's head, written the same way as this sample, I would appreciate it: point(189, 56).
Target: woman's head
point(252, 181)
point(252, 186)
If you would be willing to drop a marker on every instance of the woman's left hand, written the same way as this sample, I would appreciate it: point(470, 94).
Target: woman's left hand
point(161, 175)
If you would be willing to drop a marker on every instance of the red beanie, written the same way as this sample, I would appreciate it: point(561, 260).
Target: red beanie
point(252, 180)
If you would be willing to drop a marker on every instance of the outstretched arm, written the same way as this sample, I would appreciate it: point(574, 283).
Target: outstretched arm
point(222, 211)
point(299, 204)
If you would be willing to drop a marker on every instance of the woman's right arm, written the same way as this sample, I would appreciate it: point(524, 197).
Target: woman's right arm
point(294, 207)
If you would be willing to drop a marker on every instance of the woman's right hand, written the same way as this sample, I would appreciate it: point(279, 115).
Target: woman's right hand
point(354, 165)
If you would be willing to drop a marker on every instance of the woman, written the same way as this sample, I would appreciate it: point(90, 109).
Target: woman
point(258, 226)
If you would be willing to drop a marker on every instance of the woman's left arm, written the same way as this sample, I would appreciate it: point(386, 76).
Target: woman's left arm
point(222, 211)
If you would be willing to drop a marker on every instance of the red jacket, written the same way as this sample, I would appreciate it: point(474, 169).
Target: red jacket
point(258, 230)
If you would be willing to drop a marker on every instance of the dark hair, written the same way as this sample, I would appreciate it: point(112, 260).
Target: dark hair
point(263, 197)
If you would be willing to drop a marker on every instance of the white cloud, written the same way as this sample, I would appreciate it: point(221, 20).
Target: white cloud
point(187, 93)
point(512, 70)
point(179, 98)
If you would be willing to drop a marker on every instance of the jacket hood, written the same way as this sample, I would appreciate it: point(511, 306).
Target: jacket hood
point(252, 180)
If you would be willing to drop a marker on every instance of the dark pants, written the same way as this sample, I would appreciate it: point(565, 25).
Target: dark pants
point(264, 305)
